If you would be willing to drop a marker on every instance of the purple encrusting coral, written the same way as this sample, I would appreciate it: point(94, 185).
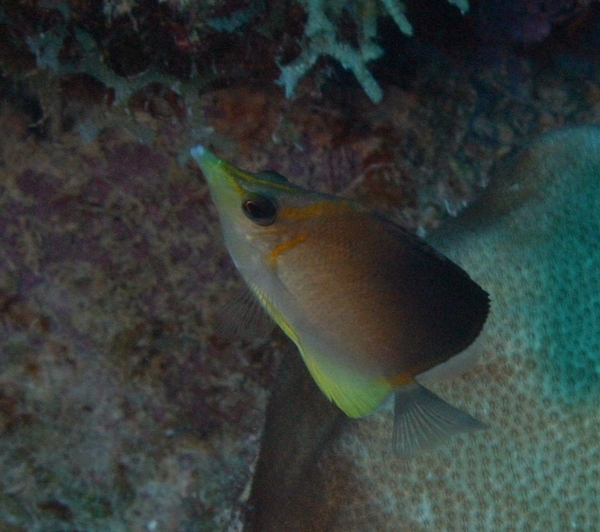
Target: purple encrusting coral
point(115, 409)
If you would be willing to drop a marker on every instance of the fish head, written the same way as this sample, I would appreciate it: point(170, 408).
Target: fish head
point(260, 213)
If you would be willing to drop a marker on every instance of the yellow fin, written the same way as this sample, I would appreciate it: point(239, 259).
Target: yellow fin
point(355, 394)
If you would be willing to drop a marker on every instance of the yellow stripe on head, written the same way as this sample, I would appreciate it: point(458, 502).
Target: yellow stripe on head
point(318, 208)
point(256, 179)
point(285, 246)
point(221, 173)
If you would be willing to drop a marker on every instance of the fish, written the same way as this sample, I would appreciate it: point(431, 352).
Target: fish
point(369, 305)
point(530, 239)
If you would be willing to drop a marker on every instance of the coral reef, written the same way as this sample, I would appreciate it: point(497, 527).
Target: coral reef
point(121, 408)
point(127, 46)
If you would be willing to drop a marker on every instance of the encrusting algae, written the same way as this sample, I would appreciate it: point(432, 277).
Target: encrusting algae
point(369, 306)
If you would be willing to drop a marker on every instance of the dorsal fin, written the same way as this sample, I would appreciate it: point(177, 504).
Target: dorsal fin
point(272, 176)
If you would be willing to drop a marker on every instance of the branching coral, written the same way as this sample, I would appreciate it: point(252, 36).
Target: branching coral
point(321, 37)
point(47, 46)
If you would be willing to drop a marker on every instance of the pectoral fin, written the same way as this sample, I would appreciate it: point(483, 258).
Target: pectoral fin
point(242, 317)
point(422, 420)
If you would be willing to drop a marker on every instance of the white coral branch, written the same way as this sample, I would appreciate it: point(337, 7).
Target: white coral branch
point(321, 38)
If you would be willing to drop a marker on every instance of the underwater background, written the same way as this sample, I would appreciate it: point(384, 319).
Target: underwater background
point(122, 408)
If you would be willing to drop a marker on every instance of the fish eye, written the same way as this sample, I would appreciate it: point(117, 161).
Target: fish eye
point(260, 210)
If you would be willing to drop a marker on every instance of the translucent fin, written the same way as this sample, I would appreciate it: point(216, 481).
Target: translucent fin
point(455, 366)
point(422, 420)
point(243, 318)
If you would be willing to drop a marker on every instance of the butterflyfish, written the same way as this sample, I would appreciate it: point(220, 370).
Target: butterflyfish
point(369, 305)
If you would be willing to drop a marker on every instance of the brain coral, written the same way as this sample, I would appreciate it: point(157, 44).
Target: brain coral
point(532, 242)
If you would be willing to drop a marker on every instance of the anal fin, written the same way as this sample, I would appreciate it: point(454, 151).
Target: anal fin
point(422, 420)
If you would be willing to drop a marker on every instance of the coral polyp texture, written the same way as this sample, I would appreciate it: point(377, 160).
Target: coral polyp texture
point(533, 244)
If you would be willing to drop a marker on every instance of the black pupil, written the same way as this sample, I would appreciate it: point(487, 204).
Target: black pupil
point(260, 210)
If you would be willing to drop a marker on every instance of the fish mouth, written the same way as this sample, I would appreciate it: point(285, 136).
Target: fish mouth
point(222, 177)
point(213, 168)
